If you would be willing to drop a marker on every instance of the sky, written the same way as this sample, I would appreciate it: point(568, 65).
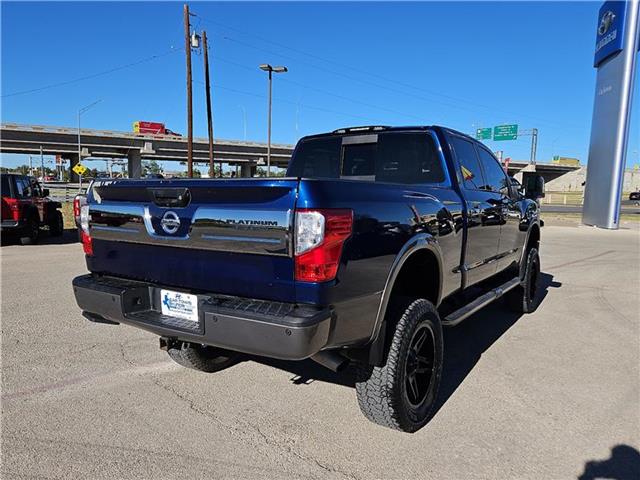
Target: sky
point(462, 65)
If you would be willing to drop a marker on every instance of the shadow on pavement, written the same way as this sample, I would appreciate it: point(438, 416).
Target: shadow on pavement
point(464, 345)
point(69, 235)
point(623, 464)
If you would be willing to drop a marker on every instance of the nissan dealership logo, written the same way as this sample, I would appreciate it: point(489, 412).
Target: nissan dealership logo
point(605, 22)
point(170, 222)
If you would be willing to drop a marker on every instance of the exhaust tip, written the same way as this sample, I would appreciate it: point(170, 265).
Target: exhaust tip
point(331, 360)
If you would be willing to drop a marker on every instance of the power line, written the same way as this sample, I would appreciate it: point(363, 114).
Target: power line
point(290, 102)
point(94, 75)
point(387, 79)
point(325, 92)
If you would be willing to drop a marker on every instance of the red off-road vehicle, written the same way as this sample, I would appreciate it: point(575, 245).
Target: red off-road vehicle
point(26, 208)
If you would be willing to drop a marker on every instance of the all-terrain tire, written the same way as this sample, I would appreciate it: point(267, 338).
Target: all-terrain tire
point(386, 394)
point(205, 359)
point(56, 224)
point(32, 232)
point(524, 298)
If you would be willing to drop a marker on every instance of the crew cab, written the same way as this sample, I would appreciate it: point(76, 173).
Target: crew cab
point(26, 208)
point(376, 239)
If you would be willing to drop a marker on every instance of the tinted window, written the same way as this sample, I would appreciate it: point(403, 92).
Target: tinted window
point(359, 160)
point(4, 187)
point(408, 158)
point(470, 172)
point(36, 189)
point(23, 187)
point(316, 158)
point(496, 180)
point(396, 157)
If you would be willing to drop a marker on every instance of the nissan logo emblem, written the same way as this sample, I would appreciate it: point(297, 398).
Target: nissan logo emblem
point(170, 222)
point(605, 22)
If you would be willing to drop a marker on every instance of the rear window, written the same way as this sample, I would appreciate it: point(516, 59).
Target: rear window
point(4, 186)
point(396, 157)
point(316, 158)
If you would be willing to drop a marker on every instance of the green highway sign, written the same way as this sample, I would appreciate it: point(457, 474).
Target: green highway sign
point(505, 132)
point(483, 134)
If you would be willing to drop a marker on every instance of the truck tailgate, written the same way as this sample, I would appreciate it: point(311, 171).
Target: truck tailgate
point(221, 236)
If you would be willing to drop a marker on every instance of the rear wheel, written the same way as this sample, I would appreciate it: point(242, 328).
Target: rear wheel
point(402, 393)
point(31, 232)
point(524, 298)
point(203, 358)
point(56, 225)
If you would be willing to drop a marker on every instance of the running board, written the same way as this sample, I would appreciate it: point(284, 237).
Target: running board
point(459, 315)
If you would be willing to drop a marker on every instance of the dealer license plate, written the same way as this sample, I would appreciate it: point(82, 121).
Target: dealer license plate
point(178, 304)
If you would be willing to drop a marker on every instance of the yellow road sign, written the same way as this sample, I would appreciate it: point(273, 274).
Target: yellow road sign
point(80, 169)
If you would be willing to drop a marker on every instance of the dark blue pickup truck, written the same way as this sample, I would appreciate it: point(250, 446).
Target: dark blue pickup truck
point(376, 239)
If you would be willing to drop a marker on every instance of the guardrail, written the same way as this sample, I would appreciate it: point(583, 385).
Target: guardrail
point(64, 192)
point(552, 198)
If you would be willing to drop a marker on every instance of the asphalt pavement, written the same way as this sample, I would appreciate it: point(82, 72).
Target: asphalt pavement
point(554, 394)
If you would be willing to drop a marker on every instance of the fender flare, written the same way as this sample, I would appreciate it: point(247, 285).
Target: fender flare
point(422, 241)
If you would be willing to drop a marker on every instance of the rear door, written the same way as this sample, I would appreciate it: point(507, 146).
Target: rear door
point(483, 213)
point(506, 208)
point(222, 236)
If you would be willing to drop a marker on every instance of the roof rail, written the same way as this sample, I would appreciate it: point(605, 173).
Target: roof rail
point(371, 128)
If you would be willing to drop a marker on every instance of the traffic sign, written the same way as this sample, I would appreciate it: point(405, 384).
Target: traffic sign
point(80, 169)
point(505, 132)
point(483, 134)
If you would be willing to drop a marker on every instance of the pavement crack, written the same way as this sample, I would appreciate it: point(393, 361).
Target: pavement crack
point(252, 434)
point(307, 459)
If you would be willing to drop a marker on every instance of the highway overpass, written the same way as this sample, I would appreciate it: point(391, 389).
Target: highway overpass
point(30, 139)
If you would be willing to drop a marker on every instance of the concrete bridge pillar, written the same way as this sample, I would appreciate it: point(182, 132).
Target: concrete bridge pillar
point(134, 164)
point(247, 170)
point(73, 161)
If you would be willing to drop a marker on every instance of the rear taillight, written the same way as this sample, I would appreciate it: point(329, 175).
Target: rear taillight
point(76, 207)
point(85, 236)
point(13, 206)
point(319, 237)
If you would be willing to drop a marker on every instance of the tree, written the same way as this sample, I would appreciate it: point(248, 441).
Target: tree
point(152, 167)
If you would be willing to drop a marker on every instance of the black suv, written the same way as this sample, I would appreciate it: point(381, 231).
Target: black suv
point(26, 208)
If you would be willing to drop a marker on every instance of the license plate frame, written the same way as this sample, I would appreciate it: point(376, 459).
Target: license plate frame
point(180, 305)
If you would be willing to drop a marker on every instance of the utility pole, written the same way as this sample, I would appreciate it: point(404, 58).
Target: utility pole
point(41, 164)
point(30, 165)
point(187, 37)
point(207, 87)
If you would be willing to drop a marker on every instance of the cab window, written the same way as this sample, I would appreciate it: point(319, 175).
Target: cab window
point(470, 173)
point(496, 179)
point(23, 187)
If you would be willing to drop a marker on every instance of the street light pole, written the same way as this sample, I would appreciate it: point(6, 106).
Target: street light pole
point(244, 121)
point(268, 68)
point(269, 126)
point(80, 112)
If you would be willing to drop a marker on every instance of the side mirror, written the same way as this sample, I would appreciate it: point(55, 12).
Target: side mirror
point(45, 192)
point(516, 186)
point(534, 187)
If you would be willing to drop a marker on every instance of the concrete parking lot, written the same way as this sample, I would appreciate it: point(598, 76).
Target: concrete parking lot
point(552, 395)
